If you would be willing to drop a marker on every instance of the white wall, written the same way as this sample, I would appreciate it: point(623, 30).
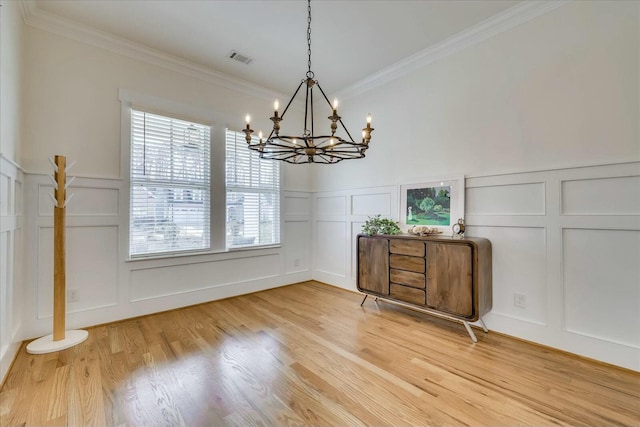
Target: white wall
point(72, 101)
point(558, 92)
point(11, 50)
point(11, 181)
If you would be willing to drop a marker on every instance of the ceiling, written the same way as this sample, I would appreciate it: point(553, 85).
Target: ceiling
point(350, 39)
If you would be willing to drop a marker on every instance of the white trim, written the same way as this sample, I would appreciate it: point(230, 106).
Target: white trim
point(12, 163)
point(495, 25)
point(47, 21)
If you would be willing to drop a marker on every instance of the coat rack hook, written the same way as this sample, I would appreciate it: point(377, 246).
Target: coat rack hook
point(69, 181)
point(55, 202)
point(66, 202)
point(70, 166)
point(55, 167)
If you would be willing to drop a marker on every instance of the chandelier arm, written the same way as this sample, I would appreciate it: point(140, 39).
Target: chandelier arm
point(278, 156)
point(311, 90)
point(347, 131)
point(274, 146)
point(329, 102)
point(306, 113)
point(292, 98)
point(330, 160)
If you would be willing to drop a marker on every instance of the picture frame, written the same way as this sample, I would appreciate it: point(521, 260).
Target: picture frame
point(425, 203)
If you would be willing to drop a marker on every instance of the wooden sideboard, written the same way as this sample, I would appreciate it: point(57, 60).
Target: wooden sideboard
point(445, 276)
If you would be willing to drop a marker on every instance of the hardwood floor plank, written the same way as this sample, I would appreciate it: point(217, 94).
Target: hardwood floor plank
point(308, 354)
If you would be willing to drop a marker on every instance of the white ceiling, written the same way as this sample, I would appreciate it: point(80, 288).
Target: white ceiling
point(350, 39)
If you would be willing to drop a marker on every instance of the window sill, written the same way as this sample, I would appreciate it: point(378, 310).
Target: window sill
point(208, 253)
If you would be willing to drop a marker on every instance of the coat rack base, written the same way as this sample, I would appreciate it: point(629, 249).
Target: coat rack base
point(46, 344)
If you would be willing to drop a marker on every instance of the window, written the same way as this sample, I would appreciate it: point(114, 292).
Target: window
point(170, 185)
point(253, 195)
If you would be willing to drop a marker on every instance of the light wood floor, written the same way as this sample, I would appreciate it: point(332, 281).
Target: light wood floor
point(308, 354)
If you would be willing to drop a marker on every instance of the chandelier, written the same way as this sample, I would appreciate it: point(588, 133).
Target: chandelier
point(309, 147)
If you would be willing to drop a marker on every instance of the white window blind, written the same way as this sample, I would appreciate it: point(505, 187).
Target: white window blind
point(170, 185)
point(253, 195)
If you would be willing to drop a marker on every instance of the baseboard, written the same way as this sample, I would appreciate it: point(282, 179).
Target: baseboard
point(8, 359)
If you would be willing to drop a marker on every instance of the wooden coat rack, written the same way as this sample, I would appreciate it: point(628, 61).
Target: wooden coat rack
point(60, 339)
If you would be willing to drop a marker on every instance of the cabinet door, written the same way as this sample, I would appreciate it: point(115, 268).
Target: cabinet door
point(450, 278)
point(373, 265)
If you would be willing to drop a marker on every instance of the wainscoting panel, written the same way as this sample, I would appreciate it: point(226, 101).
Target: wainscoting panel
point(297, 254)
point(602, 284)
point(5, 195)
point(331, 205)
point(92, 268)
point(6, 292)
point(511, 199)
point(297, 233)
point(152, 283)
point(297, 204)
point(356, 228)
point(601, 196)
point(519, 267)
point(18, 198)
point(331, 249)
point(11, 261)
point(568, 240)
point(372, 204)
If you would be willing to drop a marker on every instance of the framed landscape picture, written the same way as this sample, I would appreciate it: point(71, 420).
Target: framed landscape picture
point(434, 203)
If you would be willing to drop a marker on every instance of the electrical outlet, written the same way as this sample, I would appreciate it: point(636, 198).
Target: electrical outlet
point(519, 300)
point(72, 295)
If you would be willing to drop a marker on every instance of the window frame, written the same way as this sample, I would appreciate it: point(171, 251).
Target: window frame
point(153, 122)
point(218, 123)
point(256, 190)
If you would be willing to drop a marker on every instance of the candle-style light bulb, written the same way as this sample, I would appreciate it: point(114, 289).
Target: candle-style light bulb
point(295, 141)
point(276, 105)
point(335, 104)
point(364, 134)
point(369, 118)
point(260, 135)
point(248, 119)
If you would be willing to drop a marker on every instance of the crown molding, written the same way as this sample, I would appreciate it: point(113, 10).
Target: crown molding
point(34, 16)
point(495, 25)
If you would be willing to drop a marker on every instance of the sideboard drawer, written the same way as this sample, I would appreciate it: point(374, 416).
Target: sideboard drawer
point(407, 278)
point(409, 263)
point(405, 293)
point(406, 247)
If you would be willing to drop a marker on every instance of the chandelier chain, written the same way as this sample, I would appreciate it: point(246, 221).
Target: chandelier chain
point(309, 34)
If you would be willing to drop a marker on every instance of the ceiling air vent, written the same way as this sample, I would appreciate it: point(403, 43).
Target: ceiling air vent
point(237, 56)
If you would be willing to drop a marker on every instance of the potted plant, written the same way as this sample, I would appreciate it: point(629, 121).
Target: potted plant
point(378, 225)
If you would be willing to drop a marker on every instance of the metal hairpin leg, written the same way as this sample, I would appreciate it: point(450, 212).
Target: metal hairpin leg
point(484, 327)
point(365, 298)
point(470, 331)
